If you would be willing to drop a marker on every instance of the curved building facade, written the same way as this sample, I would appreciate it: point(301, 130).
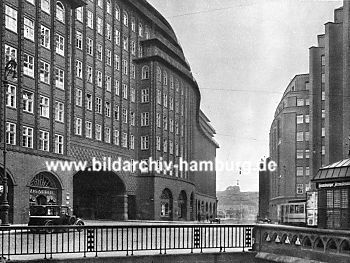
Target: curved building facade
point(102, 82)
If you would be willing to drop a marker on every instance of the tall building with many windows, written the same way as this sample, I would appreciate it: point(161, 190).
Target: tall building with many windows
point(289, 146)
point(102, 80)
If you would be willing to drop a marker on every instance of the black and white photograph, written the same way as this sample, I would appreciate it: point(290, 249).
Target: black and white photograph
point(168, 131)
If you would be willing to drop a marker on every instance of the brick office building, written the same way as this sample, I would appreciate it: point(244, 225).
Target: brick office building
point(102, 79)
point(289, 146)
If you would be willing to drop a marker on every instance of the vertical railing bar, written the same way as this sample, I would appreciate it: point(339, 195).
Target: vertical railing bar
point(45, 235)
point(127, 241)
point(96, 240)
point(183, 237)
point(244, 229)
point(201, 238)
point(132, 240)
point(84, 231)
point(192, 238)
point(224, 239)
point(165, 232)
point(160, 240)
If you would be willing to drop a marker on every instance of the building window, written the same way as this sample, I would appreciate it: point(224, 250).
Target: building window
point(132, 118)
point(44, 107)
point(144, 95)
point(98, 105)
point(27, 138)
point(144, 118)
point(79, 13)
point(60, 12)
point(176, 149)
point(44, 141)
point(10, 133)
point(133, 47)
point(116, 137)
point(323, 95)
point(108, 83)
point(133, 71)
point(117, 13)
point(28, 101)
point(117, 62)
point(117, 87)
point(300, 102)
point(125, 91)
point(99, 52)
point(307, 118)
point(323, 60)
point(58, 144)
point(99, 78)
point(107, 109)
point(88, 129)
point(59, 78)
point(44, 72)
point(45, 6)
point(78, 126)
point(125, 115)
point(59, 44)
point(144, 142)
point(307, 102)
point(125, 19)
point(176, 127)
point(108, 7)
point(323, 114)
point(88, 101)
point(109, 31)
point(145, 72)
point(89, 46)
point(159, 74)
point(323, 150)
point(28, 29)
point(140, 30)
point(109, 57)
point(79, 69)
point(116, 112)
point(159, 97)
point(45, 37)
point(300, 136)
point(323, 132)
point(323, 78)
point(165, 78)
point(11, 18)
point(78, 97)
point(117, 37)
point(158, 143)
point(124, 140)
point(165, 100)
point(28, 65)
point(125, 43)
point(165, 145)
point(171, 147)
point(307, 170)
point(132, 95)
point(89, 73)
point(90, 19)
point(300, 188)
point(300, 119)
point(171, 125)
point(132, 142)
point(300, 171)
point(79, 40)
point(98, 132)
point(99, 3)
point(99, 25)
point(165, 123)
point(307, 153)
point(125, 67)
point(107, 135)
point(307, 136)
point(140, 51)
point(133, 24)
point(158, 120)
point(59, 111)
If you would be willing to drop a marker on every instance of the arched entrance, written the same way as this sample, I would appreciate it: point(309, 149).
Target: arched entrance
point(10, 192)
point(182, 205)
point(45, 189)
point(99, 195)
point(192, 207)
point(166, 204)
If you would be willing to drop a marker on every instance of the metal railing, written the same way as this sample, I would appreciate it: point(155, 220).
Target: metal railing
point(92, 240)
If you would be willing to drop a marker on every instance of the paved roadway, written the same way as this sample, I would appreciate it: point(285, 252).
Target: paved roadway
point(120, 239)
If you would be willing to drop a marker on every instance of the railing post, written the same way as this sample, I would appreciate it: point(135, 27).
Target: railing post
point(165, 237)
point(160, 240)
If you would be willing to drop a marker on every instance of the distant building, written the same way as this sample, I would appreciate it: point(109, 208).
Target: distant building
point(264, 192)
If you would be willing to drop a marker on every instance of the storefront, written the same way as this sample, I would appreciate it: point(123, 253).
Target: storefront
point(333, 186)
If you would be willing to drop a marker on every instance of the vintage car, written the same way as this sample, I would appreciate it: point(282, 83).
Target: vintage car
point(215, 220)
point(52, 215)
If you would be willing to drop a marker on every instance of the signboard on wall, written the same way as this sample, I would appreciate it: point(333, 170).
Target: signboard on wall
point(311, 208)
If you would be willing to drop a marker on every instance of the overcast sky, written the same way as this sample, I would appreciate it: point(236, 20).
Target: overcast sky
point(253, 48)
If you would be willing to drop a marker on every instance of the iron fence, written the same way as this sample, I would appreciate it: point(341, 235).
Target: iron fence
point(92, 240)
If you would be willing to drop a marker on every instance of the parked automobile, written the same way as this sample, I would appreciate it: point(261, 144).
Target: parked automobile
point(215, 220)
point(52, 215)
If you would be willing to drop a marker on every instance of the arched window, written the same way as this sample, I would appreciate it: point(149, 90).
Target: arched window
point(171, 82)
point(165, 78)
point(145, 72)
point(117, 13)
point(125, 18)
point(133, 24)
point(108, 6)
point(140, 30)
point(60, 12)
point(159, 74)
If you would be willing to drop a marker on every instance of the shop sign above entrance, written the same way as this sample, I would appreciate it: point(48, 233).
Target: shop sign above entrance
point(338, 184)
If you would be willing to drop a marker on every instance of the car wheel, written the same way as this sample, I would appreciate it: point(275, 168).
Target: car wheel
point(48, 230)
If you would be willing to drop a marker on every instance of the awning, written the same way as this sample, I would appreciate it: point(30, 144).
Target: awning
point(334, 172)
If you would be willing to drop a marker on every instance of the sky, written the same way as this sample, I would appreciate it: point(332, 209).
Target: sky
point(243, 54)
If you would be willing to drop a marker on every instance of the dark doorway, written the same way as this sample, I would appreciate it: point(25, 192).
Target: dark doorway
point(99, 195)
point(9, 195)
point(41, 200)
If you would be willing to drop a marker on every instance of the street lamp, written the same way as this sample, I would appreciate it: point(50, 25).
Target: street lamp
point(10, 68)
